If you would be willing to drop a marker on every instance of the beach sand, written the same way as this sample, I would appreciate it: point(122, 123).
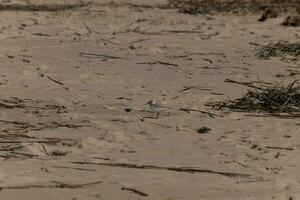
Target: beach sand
point(74, 120)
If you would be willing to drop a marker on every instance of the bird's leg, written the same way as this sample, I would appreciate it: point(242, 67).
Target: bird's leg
point(157, 115)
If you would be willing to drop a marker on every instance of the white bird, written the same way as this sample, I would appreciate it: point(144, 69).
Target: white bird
point(156, 107)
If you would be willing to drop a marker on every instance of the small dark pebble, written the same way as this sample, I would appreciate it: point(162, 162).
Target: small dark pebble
point(127, 109)
point(26, 60)
point(59, 153)
point(203, 130)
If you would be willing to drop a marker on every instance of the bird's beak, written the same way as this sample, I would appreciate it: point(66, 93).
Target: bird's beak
point(148, 103)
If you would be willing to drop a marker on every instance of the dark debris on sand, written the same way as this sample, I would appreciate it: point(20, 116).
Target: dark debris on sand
point(235, 6)
point(203, 130)
point(275, 99)
point(279, 49)
point(291, 21)
point(268, 14)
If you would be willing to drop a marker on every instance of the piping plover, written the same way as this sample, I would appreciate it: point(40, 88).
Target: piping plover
point(156, 107)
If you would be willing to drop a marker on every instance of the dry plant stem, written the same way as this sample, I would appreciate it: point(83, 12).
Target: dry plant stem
point(281, 148)
point(176, 169)
point(247, 84)
point(54, 184)
point(135, 191)
point(194, 110)
point(74, 168)
point(55, 81)
point(97, 55)
point(42, 8)
point(32, 141)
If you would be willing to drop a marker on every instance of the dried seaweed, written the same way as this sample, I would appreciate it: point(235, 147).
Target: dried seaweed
point(278, 100)
point(291, 21)
point(235, 6)
point(279, 49)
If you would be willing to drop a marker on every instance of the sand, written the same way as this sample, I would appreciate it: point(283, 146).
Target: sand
point(74, 120)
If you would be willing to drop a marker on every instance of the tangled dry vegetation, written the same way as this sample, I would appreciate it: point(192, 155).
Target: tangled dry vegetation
point(236, 6)
point(287, 51)
point(279, 99)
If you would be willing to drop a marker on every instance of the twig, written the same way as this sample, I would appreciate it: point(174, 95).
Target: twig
point(260, 45)
point(161, 125)
point(281, 116)
point(45, 150)
point(194, 110)
point(253, 181)
point(135, 191)
point(41, 34)
point(10, 106)
point(75, 168)
point(89, 29)
point(126, 98)
point(158, 62)
point(101, 158)
point(248, 84)
point(166, 63)
point(185, 88)
point(181, 31)
point(55, 185)
point(41, 8)
point(94, 55)
point(24, 154)
point(74, 186)
point(28, 141)
point(283, 148)
point(22, 124)
point(115, 4)
point(140, 117)
point(139, 40)
point(217, 93)
point(176, 169)
point(11, 148)
point(241, 164)
point(55, 81)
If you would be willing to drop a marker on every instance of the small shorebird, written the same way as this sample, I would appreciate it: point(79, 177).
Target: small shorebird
point(156, 107)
